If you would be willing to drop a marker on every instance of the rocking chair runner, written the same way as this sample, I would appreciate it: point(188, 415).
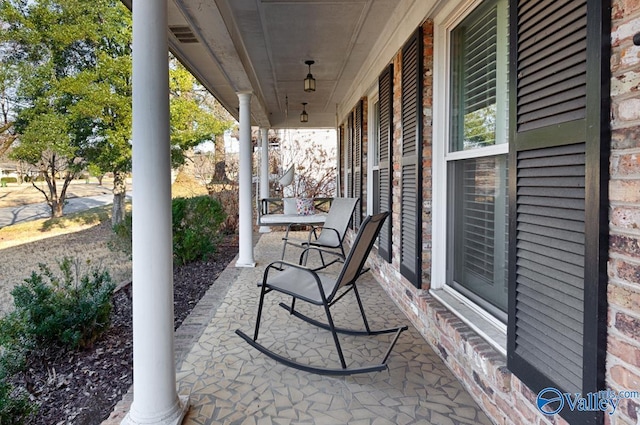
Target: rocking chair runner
point(324, 290)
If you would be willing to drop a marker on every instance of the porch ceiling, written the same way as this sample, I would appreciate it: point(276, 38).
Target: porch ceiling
point(261, 46)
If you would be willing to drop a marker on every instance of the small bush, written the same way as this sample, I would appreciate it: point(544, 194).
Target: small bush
point(15, 407)
point(71, 310)
point(8, 180)
point(196, 227)
point(15, 343)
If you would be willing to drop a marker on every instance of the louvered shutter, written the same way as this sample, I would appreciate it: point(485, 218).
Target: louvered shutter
point(349, 156)
point(557, 255)
point(385, 98)
point(411, 190)
point(357, 163)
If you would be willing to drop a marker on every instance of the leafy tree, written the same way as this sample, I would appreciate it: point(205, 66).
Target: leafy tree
point(196, 116)
point(74, 59)
point(480, 127)
point(60, 49)
point(7, 82)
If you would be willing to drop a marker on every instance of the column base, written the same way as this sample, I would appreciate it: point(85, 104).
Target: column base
point(174, 417)
point(245, 264)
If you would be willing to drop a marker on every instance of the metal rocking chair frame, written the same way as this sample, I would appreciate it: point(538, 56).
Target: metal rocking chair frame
point(327, 238)
point(325, 290)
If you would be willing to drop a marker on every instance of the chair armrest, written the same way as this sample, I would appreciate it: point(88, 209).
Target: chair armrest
point(278, 265)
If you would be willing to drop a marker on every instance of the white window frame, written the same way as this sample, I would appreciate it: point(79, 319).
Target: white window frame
point(481, 321)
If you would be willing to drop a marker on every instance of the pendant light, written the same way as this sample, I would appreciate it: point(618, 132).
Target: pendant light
point(304, 117)
point(309, 82)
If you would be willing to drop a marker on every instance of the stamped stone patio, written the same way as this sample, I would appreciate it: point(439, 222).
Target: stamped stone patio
point(229, 382)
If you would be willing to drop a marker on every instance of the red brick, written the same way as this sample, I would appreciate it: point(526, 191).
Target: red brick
point(625, 138)
point(624, 191)
point(502, 378)
point(527, 410)
point(624, 297)
point(625, 217)
point(630, 408)
point(624, 377)
point(496, 415)
point(625, 164)
point(627, 271)
point(624, 351)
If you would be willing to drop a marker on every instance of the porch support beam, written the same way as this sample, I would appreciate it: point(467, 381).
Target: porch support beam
point(245, 213)
point(155, 400)
point(264, 171)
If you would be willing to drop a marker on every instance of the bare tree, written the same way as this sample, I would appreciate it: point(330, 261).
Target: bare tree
point(315, 171)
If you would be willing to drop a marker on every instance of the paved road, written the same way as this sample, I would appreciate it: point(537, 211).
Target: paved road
point(13, 215)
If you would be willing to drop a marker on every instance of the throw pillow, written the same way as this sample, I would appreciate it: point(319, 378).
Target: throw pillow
point(290, 206)
point(305, 206)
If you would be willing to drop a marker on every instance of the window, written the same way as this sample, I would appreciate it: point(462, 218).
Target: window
point(476, 158)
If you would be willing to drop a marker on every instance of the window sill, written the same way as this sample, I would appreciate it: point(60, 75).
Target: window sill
point(486, 326)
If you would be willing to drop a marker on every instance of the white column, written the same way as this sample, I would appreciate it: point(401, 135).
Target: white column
point(245, 213)
point(264, 171)
point(155, 400)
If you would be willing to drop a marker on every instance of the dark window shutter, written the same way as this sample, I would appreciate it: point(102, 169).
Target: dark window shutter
point(357, 163)
point(411, 175)
point(558, 220)
point(384, 186)
point(349, 137)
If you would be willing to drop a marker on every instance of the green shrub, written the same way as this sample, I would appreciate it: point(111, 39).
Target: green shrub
point(71, 310)
point(15, 344)
point(196, 223)
point(15, 407)
point(196, 227)
point(8, 180)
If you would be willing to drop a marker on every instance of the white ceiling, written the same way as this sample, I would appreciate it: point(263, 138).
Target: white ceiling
point(261, 46)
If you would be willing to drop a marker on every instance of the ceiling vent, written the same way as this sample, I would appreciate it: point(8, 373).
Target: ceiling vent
point(183, 34)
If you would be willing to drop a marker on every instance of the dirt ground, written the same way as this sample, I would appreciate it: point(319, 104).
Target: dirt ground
point(15, 195)
point(89, 246)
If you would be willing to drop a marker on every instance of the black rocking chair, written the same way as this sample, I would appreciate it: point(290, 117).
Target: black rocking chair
point(324, 290)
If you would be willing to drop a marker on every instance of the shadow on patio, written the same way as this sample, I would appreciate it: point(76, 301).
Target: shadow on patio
point(230, 382)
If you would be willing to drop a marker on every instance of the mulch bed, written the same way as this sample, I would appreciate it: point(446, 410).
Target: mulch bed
point(83, 387)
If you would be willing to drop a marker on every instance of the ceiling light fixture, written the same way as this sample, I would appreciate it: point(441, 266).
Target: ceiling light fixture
point(309, 82)
point(304, 117)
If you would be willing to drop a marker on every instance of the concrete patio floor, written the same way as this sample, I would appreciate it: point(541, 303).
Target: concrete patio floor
point(229, 382)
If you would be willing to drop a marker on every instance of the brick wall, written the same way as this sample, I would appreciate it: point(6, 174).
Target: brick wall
point(623, 346)
point(480, 368)
point(427, 142)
